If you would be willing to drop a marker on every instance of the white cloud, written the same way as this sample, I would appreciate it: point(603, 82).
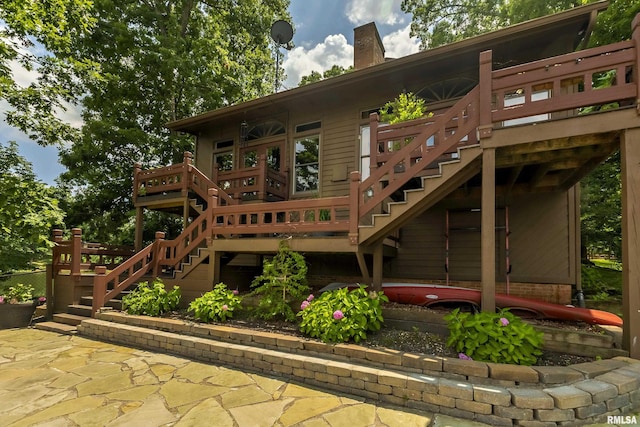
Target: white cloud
point(381, 11)
point(399, 43)
point(334, 50)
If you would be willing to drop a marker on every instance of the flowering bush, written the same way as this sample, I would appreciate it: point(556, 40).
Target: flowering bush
point(493, 337)
point(151, 300)
point(18, 294)
point(341, 315)
point(216, 305)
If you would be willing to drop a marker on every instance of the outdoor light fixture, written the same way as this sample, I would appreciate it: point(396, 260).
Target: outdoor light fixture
point(244, 131)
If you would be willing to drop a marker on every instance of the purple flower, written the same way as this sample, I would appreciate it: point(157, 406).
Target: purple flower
point(464, 356)
point(225, 307)
point(304, 305)
point(235, 292)
point(338, 314)
point(310, 297)
point(504, 321)
point(42, 300)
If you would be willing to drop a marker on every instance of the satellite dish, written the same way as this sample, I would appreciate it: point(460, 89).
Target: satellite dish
point(281, 32)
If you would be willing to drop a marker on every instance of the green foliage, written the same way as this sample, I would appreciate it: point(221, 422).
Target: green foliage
point(614, 24)
point(601, 283)
point(54, 25)
point(151, 300)
point(28, 212)
point(315, 76)
point(407, 106)
point(493, 337)
point(159, 62)
point(283, 281)
point(19, 293)
point(216, 305)
point(439, 22)
point(341, 315)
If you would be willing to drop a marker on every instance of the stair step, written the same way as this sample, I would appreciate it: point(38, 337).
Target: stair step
point(68, 319)
point(79, 310)
point(61, 328)
point(114, 303)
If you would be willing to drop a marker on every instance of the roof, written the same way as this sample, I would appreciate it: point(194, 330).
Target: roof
point(429, 70)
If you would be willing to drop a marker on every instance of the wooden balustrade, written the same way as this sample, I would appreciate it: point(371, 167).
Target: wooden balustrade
point(254, 183)
point(109, 285)
point(424, 140)
point(564, 83)
point(329, 214)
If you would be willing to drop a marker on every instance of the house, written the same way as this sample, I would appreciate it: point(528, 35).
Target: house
point(482, 194)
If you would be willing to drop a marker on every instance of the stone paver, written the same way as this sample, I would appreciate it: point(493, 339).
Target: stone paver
point(59, 380)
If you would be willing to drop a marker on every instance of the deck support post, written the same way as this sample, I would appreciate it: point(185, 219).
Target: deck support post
point(364, 270)
point(630, 176)
point(139, 228)
point(487, 233)
point(213, 272)
point(378, 252)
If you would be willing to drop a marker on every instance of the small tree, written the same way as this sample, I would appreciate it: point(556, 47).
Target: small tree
point(283, 281)
point(407, 106)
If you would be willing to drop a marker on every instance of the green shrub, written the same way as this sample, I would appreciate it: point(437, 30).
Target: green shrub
point(493, 337)
point(216, 305)
point(18, 293)
point(151, 300)
point(341, 315)
point(283, 281)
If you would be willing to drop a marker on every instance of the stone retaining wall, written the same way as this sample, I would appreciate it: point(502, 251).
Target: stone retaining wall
point(492, 393)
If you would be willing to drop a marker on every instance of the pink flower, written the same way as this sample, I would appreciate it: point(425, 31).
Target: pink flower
point(42, 300)
point(504, 321)
point(310, 297)
point(225, 307)
point(304, 305)
point(464, 356)
point(338, 314)
point(235, 292)
point(1, 299)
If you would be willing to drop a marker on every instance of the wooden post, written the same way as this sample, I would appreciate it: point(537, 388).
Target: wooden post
point(378, 259)
point(139, 228)
point(158, 252)
point(76, 252)
point(488, 231)
point(262, 177)
point(486, 88)
point(354, 206)
point(635, 36)
point(99, 289)
point(49, 291)
point(186, 171)
point(211, 205)
point(214, 266)
point(630, 176)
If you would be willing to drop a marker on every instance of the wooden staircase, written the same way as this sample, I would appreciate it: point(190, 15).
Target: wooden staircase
point(452, 174)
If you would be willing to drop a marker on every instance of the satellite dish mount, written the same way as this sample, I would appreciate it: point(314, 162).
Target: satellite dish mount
point(281, 33)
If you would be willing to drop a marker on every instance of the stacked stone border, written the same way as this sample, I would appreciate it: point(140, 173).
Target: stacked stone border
point(496, 394)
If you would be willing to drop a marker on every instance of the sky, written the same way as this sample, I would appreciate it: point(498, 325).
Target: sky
point(323, 37)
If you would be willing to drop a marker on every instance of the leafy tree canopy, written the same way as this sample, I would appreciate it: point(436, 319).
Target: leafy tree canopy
point(160, 61)
point(28, 211)
point(37, 36)
point(315, 76)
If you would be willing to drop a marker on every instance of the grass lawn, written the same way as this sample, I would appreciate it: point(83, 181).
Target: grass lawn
point(37, 279)
point(602, 285)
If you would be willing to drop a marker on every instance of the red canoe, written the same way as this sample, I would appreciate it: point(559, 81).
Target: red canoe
point(441, 295)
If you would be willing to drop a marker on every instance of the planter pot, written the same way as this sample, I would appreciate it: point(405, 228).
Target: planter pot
point(16, 315)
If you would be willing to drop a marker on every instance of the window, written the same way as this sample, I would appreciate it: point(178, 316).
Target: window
point(307, 164)
point(365, 151)
point(223, 156)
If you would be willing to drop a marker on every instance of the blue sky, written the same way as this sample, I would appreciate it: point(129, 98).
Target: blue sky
point(323, 37)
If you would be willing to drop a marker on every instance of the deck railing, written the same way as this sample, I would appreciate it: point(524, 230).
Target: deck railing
point(183, 177)
point(256, 183)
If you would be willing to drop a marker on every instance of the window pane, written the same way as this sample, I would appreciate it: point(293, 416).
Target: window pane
point(224, 161)
point(306, 163)
point(250, 159)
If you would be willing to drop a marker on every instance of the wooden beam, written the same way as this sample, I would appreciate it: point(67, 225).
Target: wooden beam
point(513, 177)
point(573, 178)
point(364, 270)
point(630, 176)
point(539, 173)
point(556, 144)
point(378, 259)
point(506, 159)
point(487, 233)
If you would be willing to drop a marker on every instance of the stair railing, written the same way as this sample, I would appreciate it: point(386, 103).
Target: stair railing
point(132, 270)
point(427, 142)
point(174, 252)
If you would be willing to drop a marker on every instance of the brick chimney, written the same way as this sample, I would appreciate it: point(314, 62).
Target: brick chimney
point(367, 46)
